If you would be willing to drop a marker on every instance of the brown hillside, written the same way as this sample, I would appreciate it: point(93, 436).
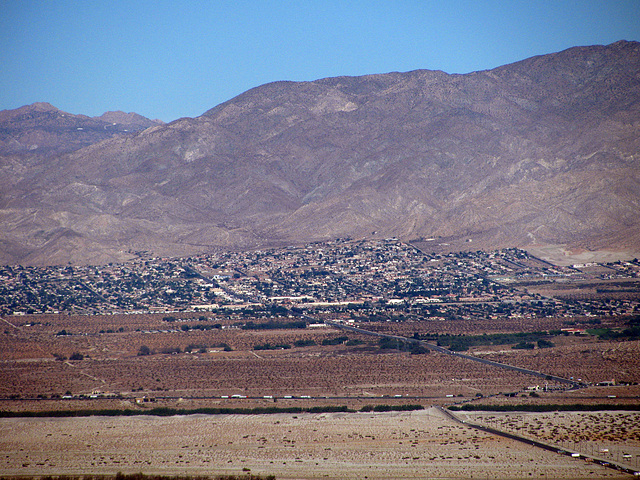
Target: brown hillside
point(543, 151)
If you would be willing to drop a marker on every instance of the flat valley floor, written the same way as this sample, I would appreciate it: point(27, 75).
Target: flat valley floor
point(420, 444)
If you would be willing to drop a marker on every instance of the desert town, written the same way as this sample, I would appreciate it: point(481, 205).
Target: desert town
point(366, 276)
point(367, 333)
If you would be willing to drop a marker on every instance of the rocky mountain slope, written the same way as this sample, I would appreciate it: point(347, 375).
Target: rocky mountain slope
point(542, 151)
point(42, 130)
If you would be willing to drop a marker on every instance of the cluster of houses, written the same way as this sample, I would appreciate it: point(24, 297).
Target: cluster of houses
point(329, 275)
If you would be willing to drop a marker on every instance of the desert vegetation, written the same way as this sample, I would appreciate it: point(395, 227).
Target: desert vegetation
point(607, 434)
point(142, 476)
point(277, 358)
point(378, 445)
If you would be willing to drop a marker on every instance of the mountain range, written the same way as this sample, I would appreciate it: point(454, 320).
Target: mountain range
point(538, 152)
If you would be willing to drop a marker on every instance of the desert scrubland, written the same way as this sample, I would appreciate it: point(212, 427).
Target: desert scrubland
point(36, 363)
point(612, 436)
point(421, 444)
point(38, 374)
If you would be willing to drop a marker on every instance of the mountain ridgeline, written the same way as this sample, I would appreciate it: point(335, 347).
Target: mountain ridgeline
point(542, 151)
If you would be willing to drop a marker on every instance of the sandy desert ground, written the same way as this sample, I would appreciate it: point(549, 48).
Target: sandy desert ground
point(29, 369)
point(609, 435)
point(422, 444)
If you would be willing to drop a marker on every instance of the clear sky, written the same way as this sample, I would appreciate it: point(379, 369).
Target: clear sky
point(168, 58)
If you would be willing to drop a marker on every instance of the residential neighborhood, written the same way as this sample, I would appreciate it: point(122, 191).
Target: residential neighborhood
point(367, 278)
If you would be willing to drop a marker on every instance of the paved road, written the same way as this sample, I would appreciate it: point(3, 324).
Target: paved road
point(446, 351)
point(538, 444)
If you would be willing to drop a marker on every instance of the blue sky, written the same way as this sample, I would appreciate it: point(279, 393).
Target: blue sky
point(170, 59)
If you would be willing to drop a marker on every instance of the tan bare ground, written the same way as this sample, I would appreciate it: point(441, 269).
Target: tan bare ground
point(613, 436)
point(561, 254)
point(421, 444)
